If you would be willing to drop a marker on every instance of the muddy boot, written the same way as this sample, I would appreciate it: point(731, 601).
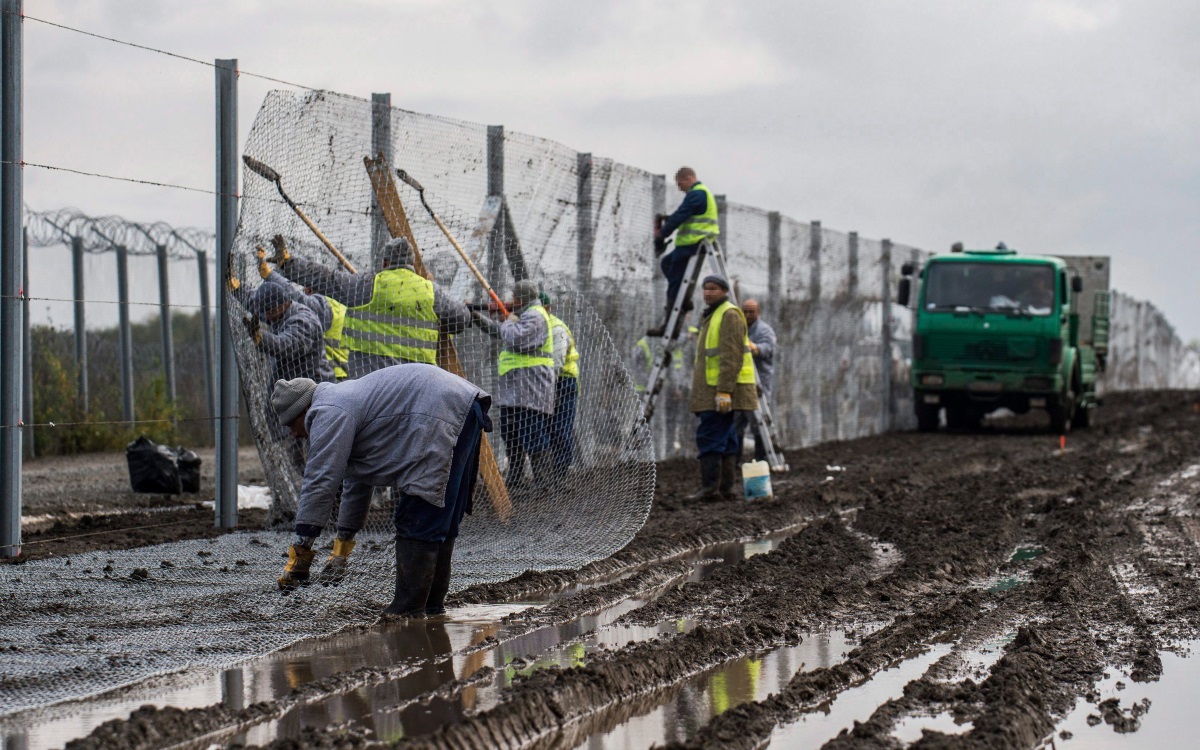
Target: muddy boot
point(441, 580)
point(710, 478)
point(728, 482)
point(338, 562)
point(295, 573)
point(415, 565)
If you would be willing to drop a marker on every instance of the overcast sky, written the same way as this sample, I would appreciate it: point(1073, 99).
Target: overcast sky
point(1067, 126)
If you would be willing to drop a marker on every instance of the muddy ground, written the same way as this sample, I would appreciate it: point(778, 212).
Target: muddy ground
point(74, 504)
point(907, 541)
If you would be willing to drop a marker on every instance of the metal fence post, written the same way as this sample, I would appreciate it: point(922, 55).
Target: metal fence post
point(81, 347)
point(164, 316)
point(852, 264)
point(584, 223)
point(11, 338)
point(124, 336)
point(888, 403)
point(658, 205)
point(495, 186)
point(816, 240)
point(226, 226)
point(381, 143)
point(774, 264)
point(27, 346)
point(207, 334)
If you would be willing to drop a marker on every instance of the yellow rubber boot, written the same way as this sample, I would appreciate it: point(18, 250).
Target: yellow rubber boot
point(338, 562)
point(296, 572)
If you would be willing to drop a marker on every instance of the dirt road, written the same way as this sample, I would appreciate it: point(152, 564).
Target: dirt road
point(1022, 575)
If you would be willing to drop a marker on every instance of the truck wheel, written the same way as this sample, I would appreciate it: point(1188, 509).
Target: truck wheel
point(1062, 414)
point(927, 417)
point(1082, 419)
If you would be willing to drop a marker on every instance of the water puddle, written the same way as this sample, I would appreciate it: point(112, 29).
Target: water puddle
point(911, 728)
point(1146, 714)
point(1026, 553)
point(424, 656)
point(824, 722)
point(712, 693)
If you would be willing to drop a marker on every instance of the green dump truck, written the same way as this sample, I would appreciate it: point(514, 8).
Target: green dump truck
point(1001, 329)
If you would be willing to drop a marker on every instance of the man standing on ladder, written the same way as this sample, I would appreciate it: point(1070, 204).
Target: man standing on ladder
point(722, 384)
point(696, 220)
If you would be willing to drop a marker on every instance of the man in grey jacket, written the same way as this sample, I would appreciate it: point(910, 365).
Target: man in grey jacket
point(525, 384)
point(762, 348)
point(414, 427)
point(393, 316)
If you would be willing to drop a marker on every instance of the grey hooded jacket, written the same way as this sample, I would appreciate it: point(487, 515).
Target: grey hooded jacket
point(395, 427)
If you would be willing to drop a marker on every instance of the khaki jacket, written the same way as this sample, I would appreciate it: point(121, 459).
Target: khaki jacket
point(733, 349)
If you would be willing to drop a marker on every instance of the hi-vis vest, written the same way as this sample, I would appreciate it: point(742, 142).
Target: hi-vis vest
point(398, 322)
point(544, 357)
point(695, 228)
point(337, 354)
point(571, 365)
point(712, 349)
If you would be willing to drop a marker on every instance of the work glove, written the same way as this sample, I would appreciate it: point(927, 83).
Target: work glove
point(263, 269)
point(281, 255)
point(660, 246)
point(753, 348)
point(253, 328)
point(233, 284)
point(338, 562)
point(295, 573)
point(724, 403)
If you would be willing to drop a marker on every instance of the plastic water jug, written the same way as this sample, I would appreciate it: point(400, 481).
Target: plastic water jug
point(756, 480)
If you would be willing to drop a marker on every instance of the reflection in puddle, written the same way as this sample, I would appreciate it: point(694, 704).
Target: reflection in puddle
point(1170, 721)
point(713, 693)
point(911, 728)
point(432, 650)
point(856, 704)
point(1026, 552)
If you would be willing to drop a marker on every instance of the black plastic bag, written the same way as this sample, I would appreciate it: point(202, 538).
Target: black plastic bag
point(189, 469)
point(152, 468)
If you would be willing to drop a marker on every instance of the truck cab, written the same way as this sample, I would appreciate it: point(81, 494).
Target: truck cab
point(1001, 329)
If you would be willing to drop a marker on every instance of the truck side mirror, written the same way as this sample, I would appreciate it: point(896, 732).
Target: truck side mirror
point(906, 269)
point(1076, 284)
point(904, 291)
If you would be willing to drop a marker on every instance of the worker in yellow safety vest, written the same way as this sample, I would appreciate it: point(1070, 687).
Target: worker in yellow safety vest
point(722, 384)
point(392, 316)
point(694, 221)
point(525, 385)
point(566, 390)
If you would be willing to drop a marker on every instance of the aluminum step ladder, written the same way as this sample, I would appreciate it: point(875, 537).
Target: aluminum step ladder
point(672, 341)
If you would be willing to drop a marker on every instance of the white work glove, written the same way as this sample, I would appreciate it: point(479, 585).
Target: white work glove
point(512, 317)
point(724, 403)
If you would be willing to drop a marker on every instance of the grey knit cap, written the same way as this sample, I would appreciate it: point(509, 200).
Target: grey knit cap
point(267, 297)
point(717, 279)
point(526, 290)
point(291, 397)
point(397, 252)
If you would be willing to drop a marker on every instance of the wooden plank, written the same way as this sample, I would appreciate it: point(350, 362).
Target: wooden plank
point(396, 219)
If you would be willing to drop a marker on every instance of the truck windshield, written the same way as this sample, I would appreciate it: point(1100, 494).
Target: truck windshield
point(1025, 289)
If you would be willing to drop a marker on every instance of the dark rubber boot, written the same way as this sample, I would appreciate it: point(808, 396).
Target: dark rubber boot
point(728, 483)
point(515, 476)
point(661, 330)
point(545, 473)
point(710, 478)
point(441, 580)
point(416, 562)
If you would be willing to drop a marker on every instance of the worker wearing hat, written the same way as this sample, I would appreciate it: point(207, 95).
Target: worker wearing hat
point(392, 316)
point(722, 384)
point(525, 385)
point(413, 427)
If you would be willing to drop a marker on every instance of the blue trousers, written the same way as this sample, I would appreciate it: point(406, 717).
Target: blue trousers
point(673, 265)
point(524, 429)
point(562, 424)
point(421, 520)
point(715, 434)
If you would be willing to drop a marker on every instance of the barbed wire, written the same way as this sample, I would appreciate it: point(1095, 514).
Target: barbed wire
point(101, 233)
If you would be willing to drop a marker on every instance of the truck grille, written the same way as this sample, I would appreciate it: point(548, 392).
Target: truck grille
point(966, 349)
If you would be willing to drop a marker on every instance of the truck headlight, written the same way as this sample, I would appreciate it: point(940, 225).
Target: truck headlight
point(934, 379)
